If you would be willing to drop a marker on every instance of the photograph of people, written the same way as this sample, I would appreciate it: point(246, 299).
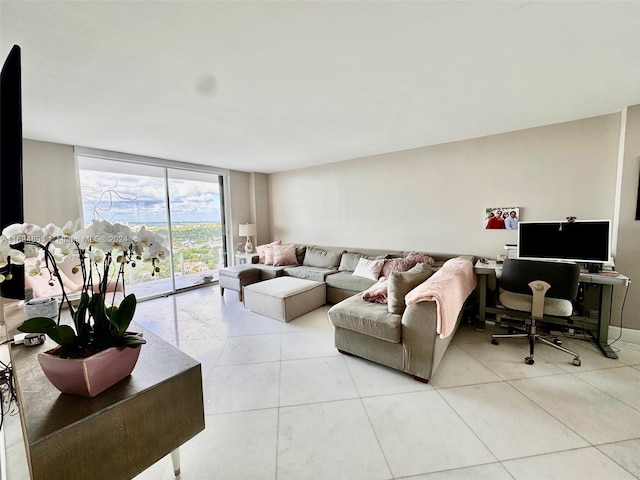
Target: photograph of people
point(500, 218)
point(511, 222)
point(496, 221)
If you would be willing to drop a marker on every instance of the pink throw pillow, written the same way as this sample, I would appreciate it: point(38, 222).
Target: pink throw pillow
point(394, 265)
point(284, 255)
point(260, 249)
point(415, 258)
point(268, 254)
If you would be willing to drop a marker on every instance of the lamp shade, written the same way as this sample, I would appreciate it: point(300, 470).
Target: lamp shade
point(248, 230)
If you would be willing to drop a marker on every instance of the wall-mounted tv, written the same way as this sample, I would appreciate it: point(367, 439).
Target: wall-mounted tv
point(11, 199)
point(582, 241)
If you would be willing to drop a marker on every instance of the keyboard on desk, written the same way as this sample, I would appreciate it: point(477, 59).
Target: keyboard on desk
point(603, 273)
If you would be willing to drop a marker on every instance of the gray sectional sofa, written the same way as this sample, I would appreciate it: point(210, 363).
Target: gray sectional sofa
point(336, 270)
point(407, 340)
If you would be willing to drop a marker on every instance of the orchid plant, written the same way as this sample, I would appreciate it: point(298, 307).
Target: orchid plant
point(100, 252)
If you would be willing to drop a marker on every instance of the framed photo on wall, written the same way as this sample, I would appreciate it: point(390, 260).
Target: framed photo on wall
point(501, 218)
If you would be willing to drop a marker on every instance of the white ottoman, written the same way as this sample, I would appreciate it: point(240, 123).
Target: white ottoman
point(284, 298)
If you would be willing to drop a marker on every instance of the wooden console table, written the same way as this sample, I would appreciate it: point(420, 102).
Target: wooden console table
point(118, 433)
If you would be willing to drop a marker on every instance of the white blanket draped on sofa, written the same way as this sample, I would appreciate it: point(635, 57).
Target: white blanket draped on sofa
point(449, 287)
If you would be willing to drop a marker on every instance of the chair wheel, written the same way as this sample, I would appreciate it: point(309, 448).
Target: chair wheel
point(495, 341)
point(577, 362)
point(528, 360)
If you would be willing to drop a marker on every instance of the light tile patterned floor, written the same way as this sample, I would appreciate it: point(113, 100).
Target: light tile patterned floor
point(281, 403)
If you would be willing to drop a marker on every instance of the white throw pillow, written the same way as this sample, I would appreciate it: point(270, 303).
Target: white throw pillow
point(368, 268)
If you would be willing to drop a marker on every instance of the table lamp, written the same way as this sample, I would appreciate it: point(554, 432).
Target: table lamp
point(248, 230)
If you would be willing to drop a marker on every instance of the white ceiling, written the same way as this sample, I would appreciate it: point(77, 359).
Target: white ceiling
point(271, 86)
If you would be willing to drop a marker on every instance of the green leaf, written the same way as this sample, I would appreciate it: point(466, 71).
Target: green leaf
point(121, 317)
point(37, 325)
point(98, 311)
point(63, 335)
point(80, 319)
point(132, 341)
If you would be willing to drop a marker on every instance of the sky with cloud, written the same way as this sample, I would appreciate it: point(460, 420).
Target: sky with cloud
point(138, 199)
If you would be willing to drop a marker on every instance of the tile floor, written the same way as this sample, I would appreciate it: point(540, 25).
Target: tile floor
point(282, 404)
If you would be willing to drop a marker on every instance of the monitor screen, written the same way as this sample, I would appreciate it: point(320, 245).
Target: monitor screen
point(582, 241)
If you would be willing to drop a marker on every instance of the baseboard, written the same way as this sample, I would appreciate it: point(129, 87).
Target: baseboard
point(628, 334)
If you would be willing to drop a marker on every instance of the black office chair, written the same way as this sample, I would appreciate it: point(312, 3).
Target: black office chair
point(546, 290)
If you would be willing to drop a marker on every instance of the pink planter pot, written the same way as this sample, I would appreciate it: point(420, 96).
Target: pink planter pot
point(89, 376)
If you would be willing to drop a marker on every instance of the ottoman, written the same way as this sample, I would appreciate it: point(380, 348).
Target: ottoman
point(284, 298)
point(237, 277)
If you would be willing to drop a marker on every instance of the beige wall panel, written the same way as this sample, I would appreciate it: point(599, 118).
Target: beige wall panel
point(628, 254)
point(433, 198)
point(50, 183)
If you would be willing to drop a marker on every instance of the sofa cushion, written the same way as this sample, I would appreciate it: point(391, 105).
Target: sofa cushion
point(401, 283)
point(284, 255)
point(349, 260)
point(267, 272)
point(347, 281)
point(368, 268)
point(315, 257)
point(260, 250)
point(300, 251)
point(418, 257)
point(395, 265)
point(371, 319)
point(268, 254)
point(317, 274)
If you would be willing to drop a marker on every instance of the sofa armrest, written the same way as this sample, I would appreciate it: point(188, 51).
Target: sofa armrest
point(419, 336)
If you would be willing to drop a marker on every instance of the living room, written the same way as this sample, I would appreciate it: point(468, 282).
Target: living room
point(427, 192)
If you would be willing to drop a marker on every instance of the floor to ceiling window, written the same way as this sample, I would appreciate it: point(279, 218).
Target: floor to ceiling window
point(184, 206)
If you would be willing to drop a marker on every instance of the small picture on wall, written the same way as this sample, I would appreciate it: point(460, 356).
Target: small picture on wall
point(501, 218)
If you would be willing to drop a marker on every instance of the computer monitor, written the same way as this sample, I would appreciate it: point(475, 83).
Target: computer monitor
point(581, 241)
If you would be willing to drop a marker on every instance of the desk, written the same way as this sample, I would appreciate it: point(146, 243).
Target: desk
point(116, 434)
point(598, 328)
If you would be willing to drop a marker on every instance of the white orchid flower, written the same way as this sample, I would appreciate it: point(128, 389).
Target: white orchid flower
point(119, 237)
point(31, 251)
point(99, 233)
point(156, 252)
point(66, 249)
point(83, 238)
point(145, 237)
point(59, 255)
point(92, 236)
point(7, 253)
point(96, 256)
point(51, 231)
point(34, 270)
point(19, 232)
point(69, 228)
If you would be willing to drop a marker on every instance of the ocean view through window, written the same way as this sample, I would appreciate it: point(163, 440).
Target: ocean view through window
point(183, 206)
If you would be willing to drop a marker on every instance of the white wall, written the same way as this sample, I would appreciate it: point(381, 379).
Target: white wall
point(239, 208)
point(50, 183)
point(259, 185)
point(628, 255)
point(433, 198)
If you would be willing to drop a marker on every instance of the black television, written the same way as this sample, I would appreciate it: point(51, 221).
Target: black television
point(11, 196)
point(581, 241)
